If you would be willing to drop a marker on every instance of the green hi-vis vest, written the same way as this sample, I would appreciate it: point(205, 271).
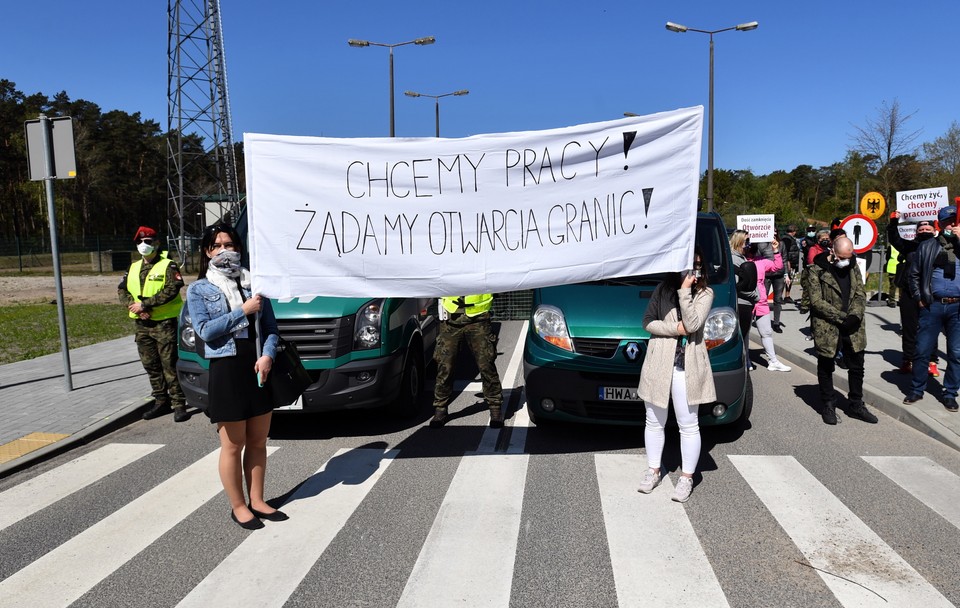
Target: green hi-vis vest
point(473, 305)
point(893, 261)
point(156, 279)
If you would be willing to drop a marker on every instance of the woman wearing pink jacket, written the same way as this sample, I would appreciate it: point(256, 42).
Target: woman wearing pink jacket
point(761, 310)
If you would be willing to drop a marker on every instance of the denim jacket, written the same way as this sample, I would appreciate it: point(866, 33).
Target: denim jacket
point(215, 323)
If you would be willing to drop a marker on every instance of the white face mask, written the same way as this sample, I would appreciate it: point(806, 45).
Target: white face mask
point(145, 250)
point(842, 263)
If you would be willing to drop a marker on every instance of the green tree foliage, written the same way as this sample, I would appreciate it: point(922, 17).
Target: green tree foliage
point(941, 160)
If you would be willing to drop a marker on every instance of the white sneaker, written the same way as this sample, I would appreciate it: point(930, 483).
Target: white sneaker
point(682, 492)
point(777, 366)
point(651, 479)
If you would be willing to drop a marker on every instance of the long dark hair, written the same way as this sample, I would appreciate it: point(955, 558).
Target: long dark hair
point(209, 238)
point(676, 278)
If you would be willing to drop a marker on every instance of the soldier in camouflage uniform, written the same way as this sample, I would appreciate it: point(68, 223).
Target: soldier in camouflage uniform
point(837, 304)
point(151, 292)
point(467, 318)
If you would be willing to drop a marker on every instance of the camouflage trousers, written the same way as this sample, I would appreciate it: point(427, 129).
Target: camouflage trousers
point(483, 344)
point(157, 345)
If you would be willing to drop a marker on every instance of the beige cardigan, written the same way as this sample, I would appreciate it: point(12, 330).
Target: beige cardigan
point(660, 321)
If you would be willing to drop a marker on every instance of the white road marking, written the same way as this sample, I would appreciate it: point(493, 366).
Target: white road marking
point(655, 555)
point(63, 575)
point(269, 566)
point(43, 490)
point(927, 481)
point(833, 539)
point(474, 534)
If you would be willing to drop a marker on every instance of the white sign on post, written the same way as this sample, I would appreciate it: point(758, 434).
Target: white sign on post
point(761, 228)
point(916, 205)
point(429, 217)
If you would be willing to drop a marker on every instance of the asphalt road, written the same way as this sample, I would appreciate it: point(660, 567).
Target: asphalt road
point(388, 512)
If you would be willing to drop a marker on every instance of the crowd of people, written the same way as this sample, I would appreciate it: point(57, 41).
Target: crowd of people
point(241, 338)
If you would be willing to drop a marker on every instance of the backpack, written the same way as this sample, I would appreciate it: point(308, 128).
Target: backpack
point(746, 277)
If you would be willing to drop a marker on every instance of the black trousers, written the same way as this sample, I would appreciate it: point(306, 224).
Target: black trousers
point(778, 283)
point(827, 365)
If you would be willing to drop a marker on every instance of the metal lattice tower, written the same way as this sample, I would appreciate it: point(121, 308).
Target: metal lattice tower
point(201, 163)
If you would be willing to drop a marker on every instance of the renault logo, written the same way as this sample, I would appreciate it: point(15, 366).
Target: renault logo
point(632, 351)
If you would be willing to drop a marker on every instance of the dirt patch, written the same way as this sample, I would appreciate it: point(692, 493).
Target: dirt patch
point(92, 289)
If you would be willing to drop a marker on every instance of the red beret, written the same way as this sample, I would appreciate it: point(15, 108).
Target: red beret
point(145, 232)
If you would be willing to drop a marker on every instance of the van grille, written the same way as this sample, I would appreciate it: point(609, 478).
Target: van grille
point(319, 338)
point(596, 347)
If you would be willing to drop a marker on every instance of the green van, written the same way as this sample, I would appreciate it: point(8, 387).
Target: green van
point(586, 343)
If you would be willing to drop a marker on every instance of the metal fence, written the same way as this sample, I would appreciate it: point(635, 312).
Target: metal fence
point(513, 305)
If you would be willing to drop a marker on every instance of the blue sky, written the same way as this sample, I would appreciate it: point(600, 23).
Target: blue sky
point(787, 93)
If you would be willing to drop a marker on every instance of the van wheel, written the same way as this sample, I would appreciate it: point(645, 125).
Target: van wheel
point(744, 418)
point(411, 386)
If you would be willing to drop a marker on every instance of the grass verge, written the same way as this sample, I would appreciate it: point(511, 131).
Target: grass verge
point(34, 330)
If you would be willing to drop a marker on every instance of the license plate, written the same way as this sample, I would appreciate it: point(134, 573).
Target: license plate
point(619, 393)
point(296, 405)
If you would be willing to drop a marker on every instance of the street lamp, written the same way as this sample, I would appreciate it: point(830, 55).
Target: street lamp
point(743, 27)
point(437, 100)
point(418, 41)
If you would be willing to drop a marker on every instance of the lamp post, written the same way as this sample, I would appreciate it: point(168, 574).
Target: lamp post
point(436, 98)
point(418, 41)
point(743, 27)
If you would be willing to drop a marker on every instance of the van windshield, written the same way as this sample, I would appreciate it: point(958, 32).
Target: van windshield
point(711, 240)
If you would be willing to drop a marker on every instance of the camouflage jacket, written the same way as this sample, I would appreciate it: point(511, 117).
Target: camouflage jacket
point(826, 306)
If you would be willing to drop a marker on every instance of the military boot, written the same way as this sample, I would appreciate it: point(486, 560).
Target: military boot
point(496, 416)
point(180, 414)
point(159, 409)
point(829, 413)
point(439, 417)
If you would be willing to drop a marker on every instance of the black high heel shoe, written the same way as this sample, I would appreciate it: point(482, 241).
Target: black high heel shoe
point(253, 524)
point(277, 515)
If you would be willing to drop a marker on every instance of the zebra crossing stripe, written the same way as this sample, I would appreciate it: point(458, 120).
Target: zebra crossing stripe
point(474, 534)
point(655, 555)
point(36, 494)
point(269, 565)
point(927, 481)
point(833, 539)
point(63, 575)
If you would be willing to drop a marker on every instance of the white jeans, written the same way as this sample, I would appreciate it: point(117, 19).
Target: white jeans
point(688, 421)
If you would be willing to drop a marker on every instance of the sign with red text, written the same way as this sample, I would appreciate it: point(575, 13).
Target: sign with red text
point(428, 217)
point(916, 205)
point(761, 228)
point(861, 230)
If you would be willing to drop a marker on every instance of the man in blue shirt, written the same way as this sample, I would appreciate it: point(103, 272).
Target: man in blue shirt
point(934, 282)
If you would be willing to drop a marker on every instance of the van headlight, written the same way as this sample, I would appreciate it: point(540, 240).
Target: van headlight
point(366, 329)
point(720, 327)
point(550, 325)
point(188, 337)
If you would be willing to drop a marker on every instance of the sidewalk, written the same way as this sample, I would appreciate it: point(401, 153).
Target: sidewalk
point(884, 387)
point(110, 389)
point(41, 418)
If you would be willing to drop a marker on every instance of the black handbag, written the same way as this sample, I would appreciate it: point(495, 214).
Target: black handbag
point(288, 377)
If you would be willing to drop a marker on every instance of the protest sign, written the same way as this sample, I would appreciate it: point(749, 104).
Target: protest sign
point(916, 205)
point(489, 213)
point(761, 228)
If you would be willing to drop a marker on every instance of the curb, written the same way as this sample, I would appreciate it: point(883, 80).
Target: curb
point(128, 412)
point(890, 405)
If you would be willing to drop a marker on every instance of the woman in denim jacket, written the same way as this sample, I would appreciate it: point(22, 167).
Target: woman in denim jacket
point(223, 311)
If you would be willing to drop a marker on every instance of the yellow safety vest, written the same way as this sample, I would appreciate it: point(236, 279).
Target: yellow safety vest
point(156, 279)
point(893, 261)
point(473, 305)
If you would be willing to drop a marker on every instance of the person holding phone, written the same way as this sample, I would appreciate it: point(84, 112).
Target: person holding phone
point(223, 310)
point(676, 366)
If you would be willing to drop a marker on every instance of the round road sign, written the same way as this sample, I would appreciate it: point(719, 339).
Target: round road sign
point(873, 205)
point(861, 230)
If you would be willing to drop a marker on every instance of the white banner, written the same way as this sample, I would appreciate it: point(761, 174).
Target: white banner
point(761, 228)
point(482, 214)
point(916, 205)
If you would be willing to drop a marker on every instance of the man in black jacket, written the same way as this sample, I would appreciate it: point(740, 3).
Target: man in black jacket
point(909, 312)
point(934, 281)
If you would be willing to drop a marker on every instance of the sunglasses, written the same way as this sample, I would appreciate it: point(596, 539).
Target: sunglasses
point(146, 241)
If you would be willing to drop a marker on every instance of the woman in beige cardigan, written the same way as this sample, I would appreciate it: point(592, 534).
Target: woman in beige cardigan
point(673, 338)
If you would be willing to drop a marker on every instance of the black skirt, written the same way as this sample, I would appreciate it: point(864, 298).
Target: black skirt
point(233, 391)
